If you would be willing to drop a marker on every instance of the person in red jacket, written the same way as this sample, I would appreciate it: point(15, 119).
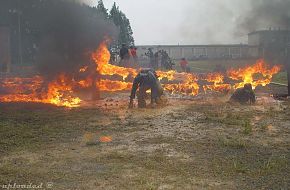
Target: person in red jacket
point(183, 64)
point(133, 51)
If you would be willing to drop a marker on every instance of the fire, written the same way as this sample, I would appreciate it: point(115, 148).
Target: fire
point(218, 83)
point(188, 86)
point(84, 69)
point(246, 74)
point(102, 58)
point(170, 75)
point(59, 92)
point(112, 86)
point(104, 76)
point(106, 139)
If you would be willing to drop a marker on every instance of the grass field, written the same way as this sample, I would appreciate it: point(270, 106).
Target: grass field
point(186, 145)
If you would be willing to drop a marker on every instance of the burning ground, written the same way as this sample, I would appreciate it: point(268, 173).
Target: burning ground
point(203, 143)
point(100, 76)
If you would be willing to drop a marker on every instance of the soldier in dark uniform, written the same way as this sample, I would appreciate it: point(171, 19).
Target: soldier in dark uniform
point(124, 55)
point(244, 95)
point(145, 80)
point(150, 54)
point(156, 60)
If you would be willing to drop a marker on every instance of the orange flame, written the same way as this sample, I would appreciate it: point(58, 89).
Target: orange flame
point(188, 86)
point(102, 58)
point(218, 83)
point(106, 139)
point(246, 74)
point(112, 86)
point(61, 91)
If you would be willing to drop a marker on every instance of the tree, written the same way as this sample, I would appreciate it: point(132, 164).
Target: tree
point(123, 23)
point(126, 33)
point(102, 9)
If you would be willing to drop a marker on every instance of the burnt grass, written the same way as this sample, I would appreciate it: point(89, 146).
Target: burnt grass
point(186, 145)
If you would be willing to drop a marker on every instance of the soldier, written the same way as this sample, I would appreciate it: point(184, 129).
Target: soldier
point(168, 63)
point(150, 54)
point(124, 55)
point(244, 95)
point(183, 64)
point(156, 60)
point(133, 51)
point(145, 80)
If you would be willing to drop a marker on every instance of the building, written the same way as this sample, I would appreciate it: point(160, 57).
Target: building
point(271, 44)
point(260, 44)
point(197, 52)
point(269, 37)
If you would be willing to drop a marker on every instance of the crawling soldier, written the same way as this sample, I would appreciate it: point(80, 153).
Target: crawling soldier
point(145, 80)
point(244, 95)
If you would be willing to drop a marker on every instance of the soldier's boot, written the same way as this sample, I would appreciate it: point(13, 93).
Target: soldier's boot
point(142, 97)
point(141, 103)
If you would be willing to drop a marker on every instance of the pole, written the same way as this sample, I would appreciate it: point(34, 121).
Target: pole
point(9, 53)
point(288, 74)
point(19, 36)
point(288, 68)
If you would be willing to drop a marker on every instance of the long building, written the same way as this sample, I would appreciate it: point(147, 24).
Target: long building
point(194, 52)
point(259, 43)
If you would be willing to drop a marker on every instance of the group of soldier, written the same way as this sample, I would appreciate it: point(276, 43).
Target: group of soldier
point(156, 60)
point(159, 59)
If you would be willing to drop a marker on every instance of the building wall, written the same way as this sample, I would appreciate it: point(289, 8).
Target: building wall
point(269, 37)
point(271, 43)
point(258, 43)
point(203, 51)
point(254, 39)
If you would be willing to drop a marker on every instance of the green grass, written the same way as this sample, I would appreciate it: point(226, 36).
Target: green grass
point(210, 65)
point(144, 156)
point(280, 78)
point(236, 143)
point(247, 127)
point(31, 128)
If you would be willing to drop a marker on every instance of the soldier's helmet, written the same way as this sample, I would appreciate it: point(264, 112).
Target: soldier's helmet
point(145, 71)
point(248, 86)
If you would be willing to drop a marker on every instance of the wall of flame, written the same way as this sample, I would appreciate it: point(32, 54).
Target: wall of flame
point(62, 90)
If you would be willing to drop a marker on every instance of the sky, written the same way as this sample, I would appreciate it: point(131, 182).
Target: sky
point(184, 22)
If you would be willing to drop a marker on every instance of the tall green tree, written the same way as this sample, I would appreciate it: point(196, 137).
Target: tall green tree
point(102, 9)
point(123, 23)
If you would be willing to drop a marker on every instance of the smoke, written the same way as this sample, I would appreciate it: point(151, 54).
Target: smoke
point(69, 32)
point(263, 14)
point(229, 21)
point(210, 22)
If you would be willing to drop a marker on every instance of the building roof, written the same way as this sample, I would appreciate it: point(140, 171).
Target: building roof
point(189, 46)
point(269, 31)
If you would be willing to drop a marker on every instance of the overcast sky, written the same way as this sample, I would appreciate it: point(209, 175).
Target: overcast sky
point(183, 21)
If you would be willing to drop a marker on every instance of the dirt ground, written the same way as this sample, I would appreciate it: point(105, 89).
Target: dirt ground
point(200, 143)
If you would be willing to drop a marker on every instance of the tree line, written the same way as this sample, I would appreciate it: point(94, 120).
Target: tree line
point(61, 30)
